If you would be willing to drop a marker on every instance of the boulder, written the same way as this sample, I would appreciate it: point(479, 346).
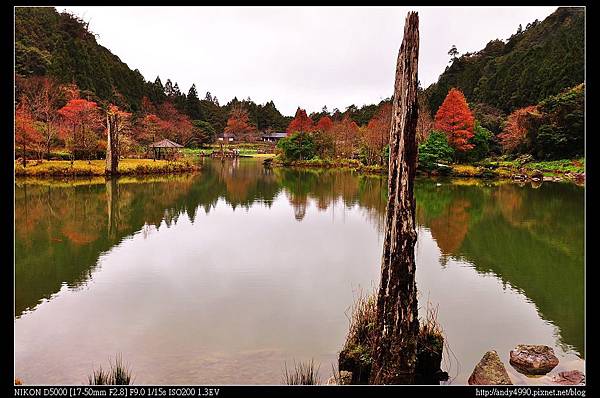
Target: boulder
point(490, 371)
point(569, 378)
point(343, 378)
point(533, 359)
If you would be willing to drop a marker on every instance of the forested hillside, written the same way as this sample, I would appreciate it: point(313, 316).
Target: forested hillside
point(539, 60)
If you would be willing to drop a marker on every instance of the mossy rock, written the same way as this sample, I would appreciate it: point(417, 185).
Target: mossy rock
point(430, 347)
point(356, 359)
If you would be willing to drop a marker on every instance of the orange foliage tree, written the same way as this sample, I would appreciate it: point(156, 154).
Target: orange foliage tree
point(82, 120)
point(517, 125)
point(425, 121)
point(43, 96)
point(456, 120)
point(174, 125)
point(301, 123)
point(325, 124)
point(26, 135)
point(239, 125)
point(345, 136)
point(377, 133)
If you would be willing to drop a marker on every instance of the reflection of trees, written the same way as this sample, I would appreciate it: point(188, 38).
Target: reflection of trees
point(450, 228)
point(530, 238)
point(61, 228)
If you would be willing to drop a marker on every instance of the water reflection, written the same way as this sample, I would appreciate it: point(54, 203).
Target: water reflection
point(530, 238)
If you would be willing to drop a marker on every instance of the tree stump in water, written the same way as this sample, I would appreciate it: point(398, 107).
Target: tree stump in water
point(397, 327)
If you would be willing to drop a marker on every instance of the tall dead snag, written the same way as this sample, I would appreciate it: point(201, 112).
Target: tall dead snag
point(116, 123)
point(397, 326)
point(112, 142)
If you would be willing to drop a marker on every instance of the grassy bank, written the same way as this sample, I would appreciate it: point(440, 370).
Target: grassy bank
point(557, 170)
point(63, 168)
point(245, 150)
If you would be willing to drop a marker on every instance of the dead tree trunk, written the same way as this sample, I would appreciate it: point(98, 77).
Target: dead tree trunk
point(112, 144)
point(397, 326)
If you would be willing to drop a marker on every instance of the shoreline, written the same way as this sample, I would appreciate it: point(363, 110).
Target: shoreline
point(96, 168)
point(494, 171)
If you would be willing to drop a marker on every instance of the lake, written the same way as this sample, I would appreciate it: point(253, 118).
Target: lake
point(224, 276)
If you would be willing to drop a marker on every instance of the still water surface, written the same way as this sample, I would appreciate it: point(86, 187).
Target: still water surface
point(223, 276)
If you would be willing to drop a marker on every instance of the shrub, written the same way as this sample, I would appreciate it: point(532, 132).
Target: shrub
point(481, 140)
point(298, 146)
point(435, 149)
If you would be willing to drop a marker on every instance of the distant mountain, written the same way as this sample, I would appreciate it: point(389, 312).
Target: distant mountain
point(60, 45)
point(536, 62)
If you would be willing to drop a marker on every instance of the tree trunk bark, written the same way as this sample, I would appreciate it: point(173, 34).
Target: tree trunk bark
point(397, 327)
point(112, 144)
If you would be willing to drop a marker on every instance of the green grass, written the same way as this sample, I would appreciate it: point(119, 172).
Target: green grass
point(118, 374)
point(244, 151)
point(63, 168)
point(303, 373)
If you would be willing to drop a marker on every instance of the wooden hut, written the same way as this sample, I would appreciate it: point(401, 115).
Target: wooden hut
point(165, 149)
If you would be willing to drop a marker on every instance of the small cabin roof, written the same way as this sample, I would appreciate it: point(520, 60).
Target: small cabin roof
point(275, 135)
point(165, 144)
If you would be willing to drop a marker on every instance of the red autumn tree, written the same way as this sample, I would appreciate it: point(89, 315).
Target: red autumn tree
point(456, 120)
point(148, 130)
point(301, 123)
point(174, 125)
point(325, 124)
point(239, 125)
point(517, 125)
point(26, 135)
point(43, 96)
point(377, 133)
point(83, 123)
point(345, 136)
point(425, 121)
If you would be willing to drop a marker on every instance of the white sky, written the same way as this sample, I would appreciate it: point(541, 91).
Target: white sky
point(296, 56)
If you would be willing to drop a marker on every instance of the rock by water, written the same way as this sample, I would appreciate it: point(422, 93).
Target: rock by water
point(533, 359)
point(569, 378)
point(490, 371)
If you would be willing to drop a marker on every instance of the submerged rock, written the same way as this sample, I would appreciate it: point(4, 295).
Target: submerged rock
point(569, 378)
point(533, 359)
point(490, 371)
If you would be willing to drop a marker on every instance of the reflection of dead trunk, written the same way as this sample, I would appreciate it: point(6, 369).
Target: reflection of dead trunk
point(397, 326)
point(112, 200)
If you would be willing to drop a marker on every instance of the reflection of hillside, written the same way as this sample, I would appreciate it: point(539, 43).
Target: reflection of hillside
point(530, 238)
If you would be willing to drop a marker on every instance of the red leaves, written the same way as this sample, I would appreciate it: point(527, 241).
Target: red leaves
point(377, 133)
point(25, 132)
point(300, 123)
point(517, 125)
point(325, 124)
point(456, 120)
point(239, 125)
point(80, 112)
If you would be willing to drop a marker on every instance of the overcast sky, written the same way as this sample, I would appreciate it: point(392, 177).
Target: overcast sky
point(296, 56)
